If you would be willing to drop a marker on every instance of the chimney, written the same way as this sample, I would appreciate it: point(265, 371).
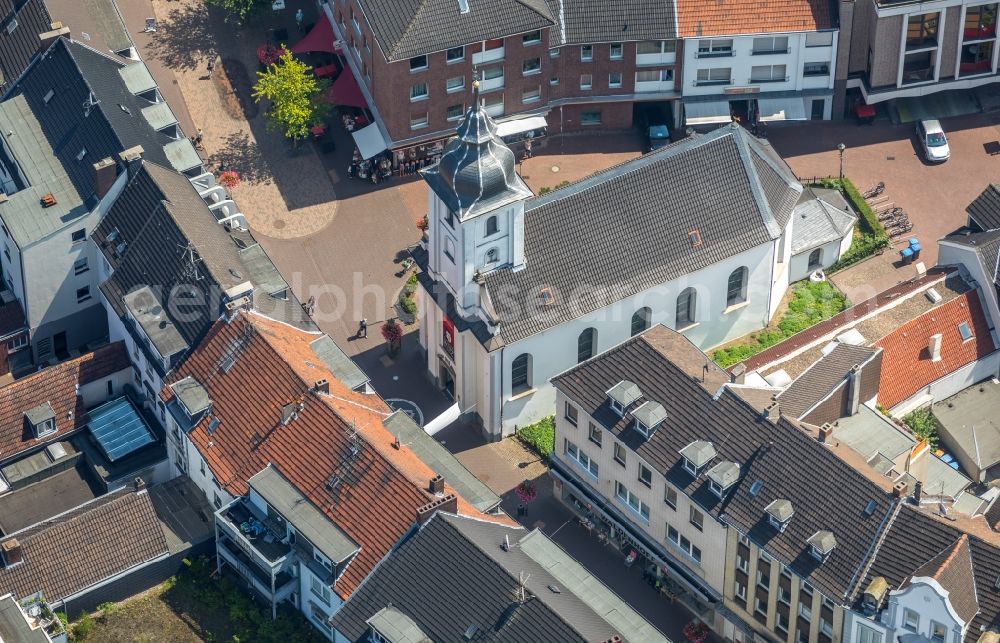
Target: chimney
point(918, 488)
point(132, 154)
point(288, 412)
point(899, 489)
point(46, 38)
point(139, 484)
point(12, 553)
point(772, 413)
point(447, 503)
point(825, 432)
point(854, 390)
point(48, 200)
point(739, 373)
point(437, 485)
point(105, 173)
point(322, 387)
point(934, 347)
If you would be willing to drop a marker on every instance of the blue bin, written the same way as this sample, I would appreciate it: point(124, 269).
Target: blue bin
point(916, 251)
point(914, 242)
point(907, 255)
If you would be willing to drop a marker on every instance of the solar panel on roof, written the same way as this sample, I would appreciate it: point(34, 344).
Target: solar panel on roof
point(755, 487)
point(119, 429)
point(870, 508)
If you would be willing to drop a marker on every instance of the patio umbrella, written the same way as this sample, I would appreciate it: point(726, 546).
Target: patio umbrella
point(345, 91)
point(320, 38)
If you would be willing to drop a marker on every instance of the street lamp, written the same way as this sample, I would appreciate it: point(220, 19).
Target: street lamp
point(840, 148)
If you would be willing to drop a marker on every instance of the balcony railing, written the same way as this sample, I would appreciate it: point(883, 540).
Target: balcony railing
point(491, 83)
point(284, 583)
point(715, 54)
point(768, 52)
point(489, 55)
point(756, 81)
point(265, 547)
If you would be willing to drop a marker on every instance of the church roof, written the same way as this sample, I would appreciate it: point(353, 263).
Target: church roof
point(642, 224)
point(477, 171)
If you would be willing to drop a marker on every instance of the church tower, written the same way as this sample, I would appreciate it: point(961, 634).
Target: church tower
point(475, 207)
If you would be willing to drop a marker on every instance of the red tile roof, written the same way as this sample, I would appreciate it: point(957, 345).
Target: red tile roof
point(733, 17)
point(57, 386)
point(381, 487)
point(907, 366)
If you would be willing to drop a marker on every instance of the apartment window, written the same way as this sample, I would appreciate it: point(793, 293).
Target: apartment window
point(938, 632)
point(759, 607)
point(493, 73)
point(571, 414)
point(654, 76)
point(79, 266)
point(620, 453)
point(736, 287)
point(616, 51)
point(17, 343)
point(805, 609)
point(632, 501)
point(819, 39)
point(79, 236)
point(645, 475)
point(980, 22)
point(202, 468)
point(585, 344)
point(82, 294)
point(685, 545)
point(532, 37)
point(687, 303)
point(781, 621)
point(580, 457)
point(869, 634)
point(816, 69)
point(531, 66)
point(590, 118)
point(825, 627)
point(455, 112)
point(770, 45)
point(418, 121)
point(449, 218)
point(911, 620)
point(714, 76)
point(655, 47)
point(554, 53)
point(418, 91)
point(922, 30)
point(767, 74)
point(216, 500)
point(740, 591)
point(455, 84)
point(741, 563)
point(455, 54)
point(710, 48)
point(494, 103)
point(615, 79)
point(531, 95)
point(586, 81)
point(418, 63)
point(586, 52)
point(696, 518)
point(520, 374)
point(670, 497)
point(320, 590)
point(595, 434)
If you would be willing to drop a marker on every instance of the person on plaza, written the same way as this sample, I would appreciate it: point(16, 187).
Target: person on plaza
point(299, 18)
point(198, 139)
point(363, 328)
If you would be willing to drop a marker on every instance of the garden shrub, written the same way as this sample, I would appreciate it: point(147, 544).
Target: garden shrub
point(924, 425)
point(540, 437)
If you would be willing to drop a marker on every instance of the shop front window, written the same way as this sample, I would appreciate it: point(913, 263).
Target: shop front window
point(976, 59)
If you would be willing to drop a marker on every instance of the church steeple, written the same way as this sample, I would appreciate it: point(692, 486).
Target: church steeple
point(477, 171)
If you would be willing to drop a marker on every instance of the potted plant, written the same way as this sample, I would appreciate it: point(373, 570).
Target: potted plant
point(422, 225)
point(229, 179)
point(392, 332)
point(526, 491)
point(695, 632)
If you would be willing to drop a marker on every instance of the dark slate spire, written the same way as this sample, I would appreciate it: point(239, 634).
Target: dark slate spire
point(477, 171)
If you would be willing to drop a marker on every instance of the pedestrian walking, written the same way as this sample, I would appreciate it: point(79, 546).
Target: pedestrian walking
point(198, 139)
point(299, 19)
point(211, 66)
point(363, 328)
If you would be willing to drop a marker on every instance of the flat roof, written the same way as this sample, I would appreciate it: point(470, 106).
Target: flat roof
point(971, 419)
point(182, 155)
point(192, 395)
point(50, 497)
point(146, 309)
point(159, 116)
point(342, 366)
point(308, 521)
point(14, 626)
point(137, 78)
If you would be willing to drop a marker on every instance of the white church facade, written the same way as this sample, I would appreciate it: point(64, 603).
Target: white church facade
point(515, 288)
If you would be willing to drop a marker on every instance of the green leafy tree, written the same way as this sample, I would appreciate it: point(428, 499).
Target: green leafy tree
point(239, 9)
point(294, 94)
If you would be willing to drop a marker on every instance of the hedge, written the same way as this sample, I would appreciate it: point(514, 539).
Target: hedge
point(871, 236)
point(540, 437)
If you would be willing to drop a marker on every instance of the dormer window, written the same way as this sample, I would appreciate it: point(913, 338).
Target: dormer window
point(821, 544)
point(696, 455)
point(779, 513)
point(648, 417)
point(42, 420)
point(622, 395)
point(722, 477)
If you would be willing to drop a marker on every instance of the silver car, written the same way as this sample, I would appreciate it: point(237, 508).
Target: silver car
point(933, 140)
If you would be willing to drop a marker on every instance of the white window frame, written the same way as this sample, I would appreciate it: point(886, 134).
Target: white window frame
point(418, 123)
point(627, 497)
point(586, 81)
point(452, 88)
point(715, 47)
point(621, 51)
point(613, 84)
point(586, 53)
point(414, 97)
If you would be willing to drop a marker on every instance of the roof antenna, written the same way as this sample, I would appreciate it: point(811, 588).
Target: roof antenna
point(506, 543)
point(522, 580)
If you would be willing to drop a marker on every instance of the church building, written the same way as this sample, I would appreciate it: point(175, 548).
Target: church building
point(516, 288)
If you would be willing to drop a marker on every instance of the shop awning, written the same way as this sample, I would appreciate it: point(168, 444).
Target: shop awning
point(707, 112)
point(781, 109)
point(520, 125)
point(321, 38)
point(369, 141)
point(345, 91)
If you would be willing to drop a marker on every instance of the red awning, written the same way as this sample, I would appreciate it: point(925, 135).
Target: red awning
point(321, 38)
point(345, 91)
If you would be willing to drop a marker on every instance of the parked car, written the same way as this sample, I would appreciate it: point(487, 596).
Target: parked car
point(933, 140)
point(659, 135)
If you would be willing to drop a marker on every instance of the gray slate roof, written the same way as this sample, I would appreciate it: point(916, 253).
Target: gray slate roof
point(591, 21)
point(626, 229)
point(822, 377)
point(174, 245)
point(787, 462)
point(820, 217)
point(985, 209)
point(441, 461)
point(407, 28)
point(453, 574)
point(18, 47)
